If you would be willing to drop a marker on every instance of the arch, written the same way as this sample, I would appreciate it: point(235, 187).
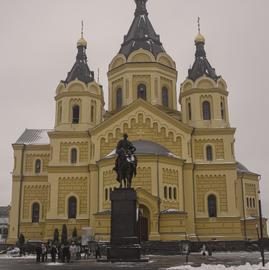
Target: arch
point(74, 155)
point(38, 166)
point(35, 212)
point(209, 153)
point(165, 97)
point(118, 98)
point(141, 55)
point(206, 110)
point(142, 91)
point(212, 205)
point(75, 114)
point(72, 207)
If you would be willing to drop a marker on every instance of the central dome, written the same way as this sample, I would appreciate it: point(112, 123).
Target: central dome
point(147, 148)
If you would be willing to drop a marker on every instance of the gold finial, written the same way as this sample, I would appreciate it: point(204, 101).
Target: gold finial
point(82, 42)
point(199, 38)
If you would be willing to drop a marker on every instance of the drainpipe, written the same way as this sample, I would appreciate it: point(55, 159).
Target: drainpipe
point(193, 179)
point(244, 211)
point(158, 191)
point(20, 194)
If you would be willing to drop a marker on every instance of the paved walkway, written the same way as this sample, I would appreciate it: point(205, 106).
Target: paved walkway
point(155, 262)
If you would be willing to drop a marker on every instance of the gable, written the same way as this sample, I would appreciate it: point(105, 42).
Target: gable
point(142, 121)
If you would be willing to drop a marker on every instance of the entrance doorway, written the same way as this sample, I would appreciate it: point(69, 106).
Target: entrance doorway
point(143, 223)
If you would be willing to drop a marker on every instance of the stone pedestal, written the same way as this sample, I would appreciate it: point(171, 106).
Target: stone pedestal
point(124, 244)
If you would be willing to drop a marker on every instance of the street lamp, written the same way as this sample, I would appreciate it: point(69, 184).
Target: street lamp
point(261, 229)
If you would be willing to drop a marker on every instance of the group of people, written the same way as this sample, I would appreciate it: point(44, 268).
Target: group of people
point(65, 252)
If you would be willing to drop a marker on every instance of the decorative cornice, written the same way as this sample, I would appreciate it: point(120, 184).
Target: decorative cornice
point(68, 169)
point(68, 134)
point(214, 131)
point(215, 166)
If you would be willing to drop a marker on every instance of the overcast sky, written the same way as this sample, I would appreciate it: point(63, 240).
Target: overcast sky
point(38, 48)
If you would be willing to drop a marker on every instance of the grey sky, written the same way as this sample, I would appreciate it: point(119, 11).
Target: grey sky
point(38, 48)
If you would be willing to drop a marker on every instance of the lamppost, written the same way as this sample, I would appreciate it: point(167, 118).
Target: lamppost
point(261, 229)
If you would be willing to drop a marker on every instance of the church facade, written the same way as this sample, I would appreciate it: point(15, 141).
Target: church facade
point(189, 184)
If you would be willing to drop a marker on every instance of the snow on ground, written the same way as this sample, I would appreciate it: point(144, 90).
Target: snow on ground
point(5, 256)
point(54, 264)
point(220, 267)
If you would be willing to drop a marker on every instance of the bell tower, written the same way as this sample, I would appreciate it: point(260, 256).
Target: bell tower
point(79, 98)
point(203, 95)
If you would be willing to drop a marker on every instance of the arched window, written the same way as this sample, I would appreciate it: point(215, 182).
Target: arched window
point(72, 207)
point(209, 153)
point(222, 111)
point(38, 166)
point(206, 111)
point(119, 98)
point(212, 206)
point(142, 91)
point(247, 203)
point(175, 193)
point(74, 155)
point(35, 212)
point(165, 192)
point(189, 111)
point(165, 98)
point(250, 202)
point(60, 108)
point(170, 193)
point(75, 114)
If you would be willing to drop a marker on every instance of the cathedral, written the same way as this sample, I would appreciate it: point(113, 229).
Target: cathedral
point(189, 183)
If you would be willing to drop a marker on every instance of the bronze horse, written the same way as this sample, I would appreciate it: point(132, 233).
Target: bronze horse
point(126, 169)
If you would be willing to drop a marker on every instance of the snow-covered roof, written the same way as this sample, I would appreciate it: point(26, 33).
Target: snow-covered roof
point(242, 169)
point(147, 148)
point(34, 137)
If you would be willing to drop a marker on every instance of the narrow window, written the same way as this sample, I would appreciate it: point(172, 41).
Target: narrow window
point(38, 166)
point(72, 207)
point(250, 202)
point(35, 213)
point(165, 192)
point(74, 155)
point(60, 108)
point(142, 91)
point(212, 206)
point(119, 99)
point(175, 193)
point(247, 203)
point(206, 111)
point(170, 193)
point(254, 203)
point(209, 153)
point(106, 194)
point(222, 110)
point(75, 114)
point(189, 110)
point(165, 98)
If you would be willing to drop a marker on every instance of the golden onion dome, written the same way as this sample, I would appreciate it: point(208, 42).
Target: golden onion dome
point(200, 38)
point(82, 42)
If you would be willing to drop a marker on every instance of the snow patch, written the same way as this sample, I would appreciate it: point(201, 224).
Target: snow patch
point(54, 264)
point(220, 267)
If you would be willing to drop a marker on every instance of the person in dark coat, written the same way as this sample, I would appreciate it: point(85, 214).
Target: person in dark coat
point(38, 253)
point(53, 253)
point(97, 251)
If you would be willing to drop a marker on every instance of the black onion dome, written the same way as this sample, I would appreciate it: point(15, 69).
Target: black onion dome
point(201, 65)
point(141, 34)
point(80, 70)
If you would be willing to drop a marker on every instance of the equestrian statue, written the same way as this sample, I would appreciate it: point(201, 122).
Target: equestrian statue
point(126, 162)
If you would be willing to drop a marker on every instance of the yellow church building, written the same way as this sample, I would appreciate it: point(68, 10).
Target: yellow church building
point(189, 184)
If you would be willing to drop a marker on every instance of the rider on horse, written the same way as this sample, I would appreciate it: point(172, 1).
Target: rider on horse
point(125, 147)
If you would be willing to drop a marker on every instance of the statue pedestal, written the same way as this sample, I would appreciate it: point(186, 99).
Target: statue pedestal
point(124, 244)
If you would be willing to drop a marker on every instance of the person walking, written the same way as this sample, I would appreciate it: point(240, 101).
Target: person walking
point(97, 251)
point(44, 251)
point(53, 253)
point(38, 253)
